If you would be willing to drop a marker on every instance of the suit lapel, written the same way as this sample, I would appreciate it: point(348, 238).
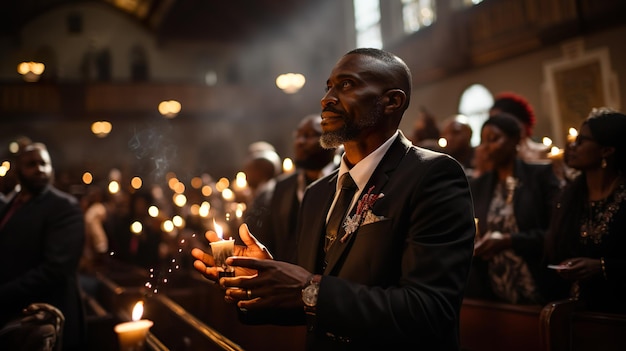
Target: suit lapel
point(314, 227)
point(379, 178)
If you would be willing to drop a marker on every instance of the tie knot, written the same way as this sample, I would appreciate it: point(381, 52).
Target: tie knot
point(347, 182)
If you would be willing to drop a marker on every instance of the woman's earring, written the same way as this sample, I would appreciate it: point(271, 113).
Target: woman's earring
point(603, 163)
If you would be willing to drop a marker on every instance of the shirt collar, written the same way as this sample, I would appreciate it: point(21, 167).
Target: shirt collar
point(363, 170)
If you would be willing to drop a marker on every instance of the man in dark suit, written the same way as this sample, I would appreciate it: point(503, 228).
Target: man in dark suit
point(393, 275)
point(41, 241)
point(274, 213)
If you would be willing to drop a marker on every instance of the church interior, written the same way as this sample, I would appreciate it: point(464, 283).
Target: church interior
point(170, 94)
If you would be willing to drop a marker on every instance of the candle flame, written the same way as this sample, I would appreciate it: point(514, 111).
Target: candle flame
point(138, 311)
point(218, 229)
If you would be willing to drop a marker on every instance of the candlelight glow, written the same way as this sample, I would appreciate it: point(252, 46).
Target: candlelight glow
point(196, 182)
point(178, 221)
point(204, 209)
point(547, 141)
point(571, 135)
point(87, 178)
point(222, 184)
point(167, 226)
point(3, 171)
point(288, 165)
point(136, 182)
point(240, 180)
point(153, 211)
point(180, 200)
point(228, 195)
point(207, 190)
point(136, 227)
point(218, 229)
point(138, 311)
point(114, 187)
point(442, 142)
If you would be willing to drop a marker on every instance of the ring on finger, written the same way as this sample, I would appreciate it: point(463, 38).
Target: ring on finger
point(249, 293)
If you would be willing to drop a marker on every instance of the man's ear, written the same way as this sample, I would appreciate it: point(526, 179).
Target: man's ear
point(396, 99)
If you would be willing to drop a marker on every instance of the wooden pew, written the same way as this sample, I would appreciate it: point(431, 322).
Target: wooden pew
point(190, 314)
point(488, 325)
point(566, 326)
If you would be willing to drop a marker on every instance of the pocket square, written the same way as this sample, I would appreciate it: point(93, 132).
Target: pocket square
point(370, 218)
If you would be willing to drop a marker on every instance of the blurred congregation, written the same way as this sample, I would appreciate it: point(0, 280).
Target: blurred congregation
point(92, 221)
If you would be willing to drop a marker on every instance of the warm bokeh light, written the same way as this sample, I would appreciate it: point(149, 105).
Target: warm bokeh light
point(228, 195)
point(87, 178)
point(240, 180)
point(153, 211)
point(179, 188)
point(178, 221)
point(3, 171)
point(172, 182)
point(170, 108)
point(546, 141)
point(114, 187)
point(222, 184)
point(31, 71)
point(194, 209)
point(14, 147)
point(180, 200)
point(7, 165)
point(136, 227)
point(288, 165)
point(167, 226)
point(205, 207)
point(136, 183)
point(290, 83)
point(196, 182)
point(101, 128)
point(572, 133)
point(207, 190)
point(442, 142)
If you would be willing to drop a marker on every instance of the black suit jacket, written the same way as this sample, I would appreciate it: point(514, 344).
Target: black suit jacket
point(273, 217)
point(397, 282)
point(40, 247)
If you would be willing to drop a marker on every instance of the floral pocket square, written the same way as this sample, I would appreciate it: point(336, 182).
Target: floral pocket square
point(370, 218)
point(363, 215)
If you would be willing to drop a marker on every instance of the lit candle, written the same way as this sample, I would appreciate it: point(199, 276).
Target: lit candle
point(221, 251)
point(555, 153)
point(132, 335)
point(571, 135)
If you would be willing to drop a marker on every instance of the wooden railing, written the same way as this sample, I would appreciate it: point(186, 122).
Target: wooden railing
point(558, 326)
point(566, 326)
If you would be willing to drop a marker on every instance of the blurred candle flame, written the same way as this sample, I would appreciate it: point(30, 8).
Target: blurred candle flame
point(138, 311)
point(218, 229)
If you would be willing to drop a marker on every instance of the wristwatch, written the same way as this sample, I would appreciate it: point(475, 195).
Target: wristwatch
point(310, 292)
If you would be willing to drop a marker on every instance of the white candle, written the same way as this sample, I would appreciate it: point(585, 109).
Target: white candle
point(221, 250)
point(132, 335)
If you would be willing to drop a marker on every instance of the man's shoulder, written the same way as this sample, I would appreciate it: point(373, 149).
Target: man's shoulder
point(61, 197)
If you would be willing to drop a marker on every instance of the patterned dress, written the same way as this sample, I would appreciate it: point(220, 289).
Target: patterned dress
point(509, 275)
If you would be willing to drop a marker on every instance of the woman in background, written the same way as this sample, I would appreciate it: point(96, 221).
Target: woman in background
point(512, 203)
point(587, 241)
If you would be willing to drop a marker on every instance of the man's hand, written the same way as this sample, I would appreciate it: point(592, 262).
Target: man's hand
point(252, 248)
point(277, 284)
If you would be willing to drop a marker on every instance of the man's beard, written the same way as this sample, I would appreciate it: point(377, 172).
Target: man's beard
point(351, 130)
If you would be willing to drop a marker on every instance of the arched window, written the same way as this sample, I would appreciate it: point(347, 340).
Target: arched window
point(475, 103)
point(367, 24)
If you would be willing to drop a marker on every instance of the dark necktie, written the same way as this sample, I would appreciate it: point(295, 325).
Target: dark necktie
point(334, 226)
